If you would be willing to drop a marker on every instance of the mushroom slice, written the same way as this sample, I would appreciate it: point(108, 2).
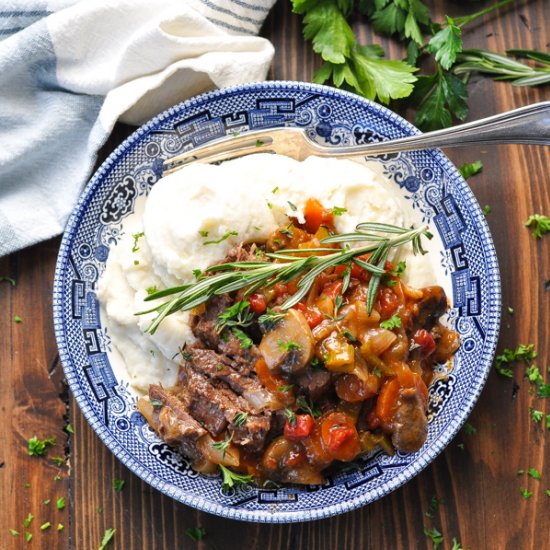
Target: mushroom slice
point(288, 346)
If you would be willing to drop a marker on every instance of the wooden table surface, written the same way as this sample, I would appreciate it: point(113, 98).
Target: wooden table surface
point(476, 476)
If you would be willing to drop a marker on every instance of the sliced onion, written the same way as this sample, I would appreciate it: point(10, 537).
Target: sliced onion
point(231, 457)
point(378, 340)
point(263, 399)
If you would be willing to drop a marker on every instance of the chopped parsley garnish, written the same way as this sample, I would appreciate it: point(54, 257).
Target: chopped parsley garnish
point(28, 537)
point(285, 389)
point(434, 506)
point(377, 372)
point(223, 445)
point(14, 533)
point(69, 429)
point(534, 473)
point(288, 346)
point(195, 533)
point(533, 373)
point(237, 315)
point(523, 352)
point(137, 237)
point(58, 460)
point(310, 409)
point(151, 290)
point(547, 492)
point(240, 418)
point(548, 421)
point(17, 319)
point(197, 273)
point(259, 143)
point(526, 494)
point(486, 210)
point(520, 472)
point(57, 478)
point(349, 336)
point(203, 233)
point(456, 545)
point(290, 415)
point(45, 526)
point(232, 479)
point(469, 429)
point(391, 323)
point(400, 268)
point(60, 503)
point(510, 310)
point(118, 484)
point(60, 527)
point(46, 502)
point(435, 536)
point(37, 447)
point(269, 320)
point(156, 403)
point(275, 189)
point(244, 340)
point(107, 537)
point(219, 367)
point(7, 279)
point(225, 236)
point(293, 207)
point(539, 223)
point(338, 211)
point(544, 390)
point(469, 169)
point(28, 520)
point(536, 416)
point(287, 231)
point(136, 262)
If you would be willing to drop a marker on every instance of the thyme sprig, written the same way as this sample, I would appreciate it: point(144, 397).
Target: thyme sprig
point(233, 276)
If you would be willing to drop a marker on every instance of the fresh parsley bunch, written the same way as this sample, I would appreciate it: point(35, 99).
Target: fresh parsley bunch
point(438, 98)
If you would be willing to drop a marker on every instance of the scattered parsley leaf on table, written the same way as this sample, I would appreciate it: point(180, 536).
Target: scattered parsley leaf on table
point(469, 169)
point(195, 533)
point(534, 473)
point(524, 352)
point(108, 535)
point(118, 484)
point(525, 493)
point(536, 416)
point(37, 447)
point(435, 536)
point(7, 279)
point(539, 223)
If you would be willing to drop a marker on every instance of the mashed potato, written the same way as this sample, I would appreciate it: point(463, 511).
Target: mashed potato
point(193, 217)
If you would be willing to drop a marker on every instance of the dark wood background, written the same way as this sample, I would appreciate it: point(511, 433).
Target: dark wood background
point(475, 476)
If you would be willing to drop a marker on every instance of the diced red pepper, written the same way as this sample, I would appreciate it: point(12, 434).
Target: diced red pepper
point(426, 342)
point(340, 436)
point(257, 303)
point(280, 289)
point(316, 215)
point(387, 302)
point(333, 289)
point(312, 314)
point(299, 429)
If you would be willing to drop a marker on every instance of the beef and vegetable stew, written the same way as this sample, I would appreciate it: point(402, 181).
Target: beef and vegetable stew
point(287, 393)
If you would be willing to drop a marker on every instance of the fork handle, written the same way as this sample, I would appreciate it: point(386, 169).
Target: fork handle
point(527, 125)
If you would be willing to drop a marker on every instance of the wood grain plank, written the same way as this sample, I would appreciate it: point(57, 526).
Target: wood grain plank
point(33, 402)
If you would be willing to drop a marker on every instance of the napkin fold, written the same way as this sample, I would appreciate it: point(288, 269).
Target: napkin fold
point(69, 70)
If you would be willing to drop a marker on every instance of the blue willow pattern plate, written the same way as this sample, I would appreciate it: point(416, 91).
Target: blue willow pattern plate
point(427, 180)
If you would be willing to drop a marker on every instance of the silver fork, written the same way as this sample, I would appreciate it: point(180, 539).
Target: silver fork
point(526, 125)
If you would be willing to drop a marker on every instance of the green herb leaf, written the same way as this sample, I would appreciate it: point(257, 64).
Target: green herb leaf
point(288, 346)
point(285, 389)
point(536, 416)
point(17, 319)
point(69, 429)
point(45, 526)
point(107, 537)
point(137, 237)
point(237, 315)
point(232, 479)
point(446, 44)
point(28, 537)
point(524, 352)
point(244, 340)
point(224, 237)
point(434, 506)
point(469, 169)
point(7, 279)
point(337, 211)
point(526, 494)
point(486, 210)
point(534, 473)
point(290, 415)
point(311, 409)
point(240, 419)
point(28, 520)
point(38, 447)
point(391, 323)
point(435, 536)
point(60, 503)
point(539, 223)
point(14, 533)
point(456, 545)
point(469, 429)
point(60, 527)
point(118, 484)
point(195, 533)
point(223, 445)
point(269, 320)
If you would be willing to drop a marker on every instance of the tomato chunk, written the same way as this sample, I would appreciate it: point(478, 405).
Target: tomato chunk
point(386, 302)
point(425, 341)
point(257, 303)
point(340, 436)
point(300, 429)
point(312, 314)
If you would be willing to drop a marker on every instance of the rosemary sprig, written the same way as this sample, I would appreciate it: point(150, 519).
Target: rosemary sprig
point(233, 276)
point(503, 67)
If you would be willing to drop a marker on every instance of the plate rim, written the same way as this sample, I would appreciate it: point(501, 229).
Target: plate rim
point(186, 497)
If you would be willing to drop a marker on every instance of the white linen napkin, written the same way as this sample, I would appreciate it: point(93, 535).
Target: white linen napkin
point(70, 69)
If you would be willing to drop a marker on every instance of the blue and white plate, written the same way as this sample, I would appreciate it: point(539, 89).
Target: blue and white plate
point(431, 187)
